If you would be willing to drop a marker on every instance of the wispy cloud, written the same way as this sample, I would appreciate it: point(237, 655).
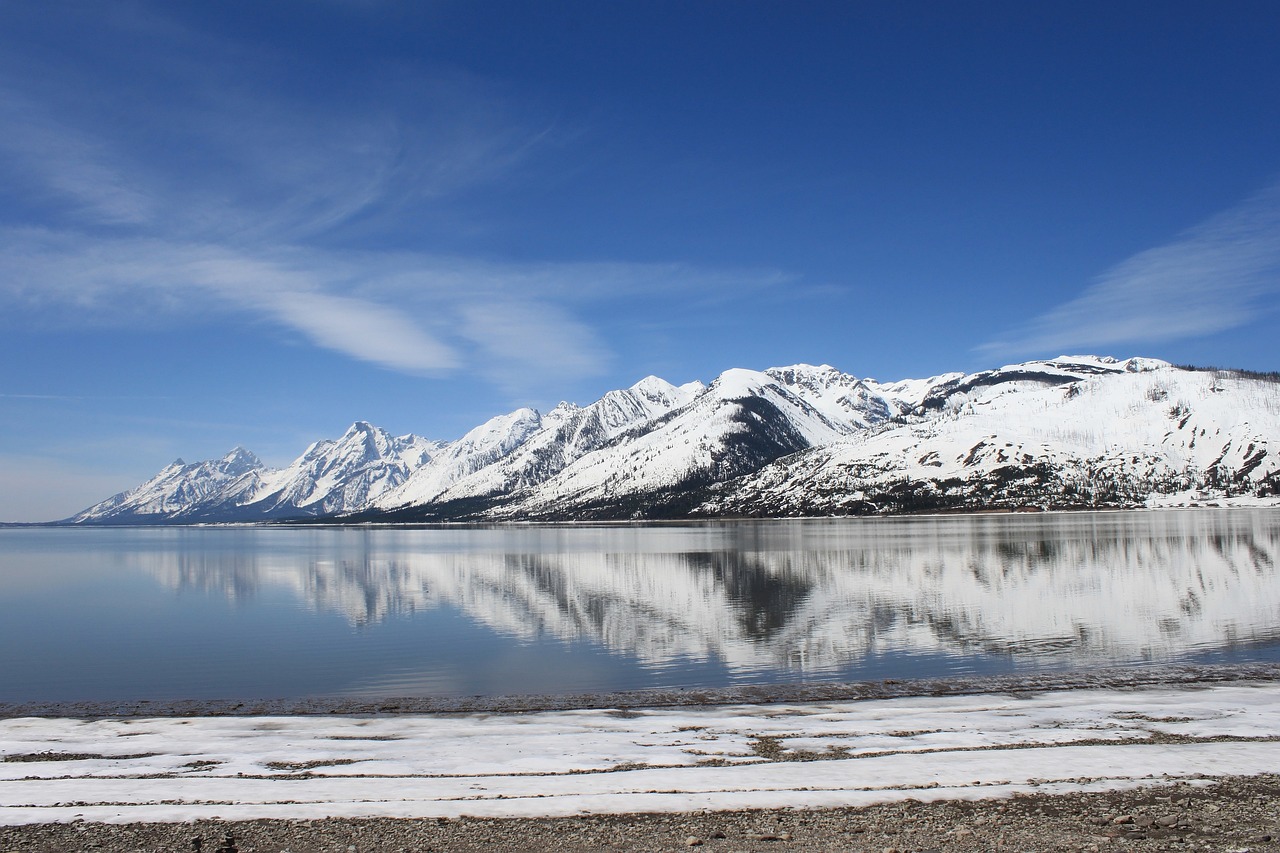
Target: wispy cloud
point(1216, 276)
point(412, 312)
point(247, 207)
point(525, 343)
point(67, 165)
point(371, 332)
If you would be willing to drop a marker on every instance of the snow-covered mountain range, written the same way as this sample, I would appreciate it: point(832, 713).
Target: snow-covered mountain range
point(1076, 431)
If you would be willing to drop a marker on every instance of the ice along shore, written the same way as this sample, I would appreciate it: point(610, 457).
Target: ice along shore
point(823, 754)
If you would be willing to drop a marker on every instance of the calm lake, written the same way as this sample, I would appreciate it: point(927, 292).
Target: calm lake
point(239, 613)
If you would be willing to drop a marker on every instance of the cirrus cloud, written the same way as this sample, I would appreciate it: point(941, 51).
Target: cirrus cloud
point(244, 204)
point(1219, 275)
point(412, 312)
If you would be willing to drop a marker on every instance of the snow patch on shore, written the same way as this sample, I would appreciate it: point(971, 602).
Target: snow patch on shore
point(806, 755)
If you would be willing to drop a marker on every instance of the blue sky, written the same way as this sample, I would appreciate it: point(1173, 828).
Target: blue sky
point(246, 223)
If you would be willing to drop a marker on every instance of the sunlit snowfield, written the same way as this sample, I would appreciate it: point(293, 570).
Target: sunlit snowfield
point(217, 613)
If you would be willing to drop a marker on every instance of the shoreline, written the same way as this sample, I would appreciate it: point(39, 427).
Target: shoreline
point(784, 757)
point(1232, 813)
point(1118, 677)
point(1223, 502)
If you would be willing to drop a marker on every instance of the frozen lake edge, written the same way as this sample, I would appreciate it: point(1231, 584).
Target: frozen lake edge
point(806, 753)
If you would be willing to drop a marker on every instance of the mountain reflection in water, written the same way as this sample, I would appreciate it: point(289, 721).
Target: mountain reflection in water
point(801, 596)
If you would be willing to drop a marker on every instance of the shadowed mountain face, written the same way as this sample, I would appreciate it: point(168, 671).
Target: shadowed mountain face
point(1080, 432)
point(803, 597)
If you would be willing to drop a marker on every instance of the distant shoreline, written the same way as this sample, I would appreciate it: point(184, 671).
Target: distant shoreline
point(338, 522)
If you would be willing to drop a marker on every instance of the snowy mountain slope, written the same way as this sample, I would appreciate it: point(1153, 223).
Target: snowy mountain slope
point(843, 399)
point(180, 487)
point(1094, 433)
point(483, 446)
point(568, 433)
point(331, 476)
point(1076, 431)
point(742, 421)
point(343, 475)
point(1060, 371)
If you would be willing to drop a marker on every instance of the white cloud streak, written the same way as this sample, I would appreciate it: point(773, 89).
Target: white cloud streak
point(1216, 276)
point(214, 206)
point(368, 331)
point(515, 324)
point(526, 343)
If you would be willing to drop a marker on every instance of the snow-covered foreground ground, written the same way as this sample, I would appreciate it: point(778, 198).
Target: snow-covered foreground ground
point(596, 761)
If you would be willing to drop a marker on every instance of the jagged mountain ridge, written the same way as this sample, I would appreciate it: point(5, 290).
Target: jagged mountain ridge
point(344, 475)
point(540, 447)
point(180, 489)
point(331, 477)
point(742, 421)
point(1149, 435)
point(1075, 431)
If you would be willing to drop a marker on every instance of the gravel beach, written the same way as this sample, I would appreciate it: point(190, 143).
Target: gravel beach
point(1232, 814)
point(1180, 764)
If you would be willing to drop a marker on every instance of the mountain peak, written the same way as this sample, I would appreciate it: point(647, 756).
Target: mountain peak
point(361, 428)
point(652, 384)
point(740, 382)
point(805, 368)
point(806, 439)
point(240, 461)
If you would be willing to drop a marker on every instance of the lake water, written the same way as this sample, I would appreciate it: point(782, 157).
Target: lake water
point(238, 613)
